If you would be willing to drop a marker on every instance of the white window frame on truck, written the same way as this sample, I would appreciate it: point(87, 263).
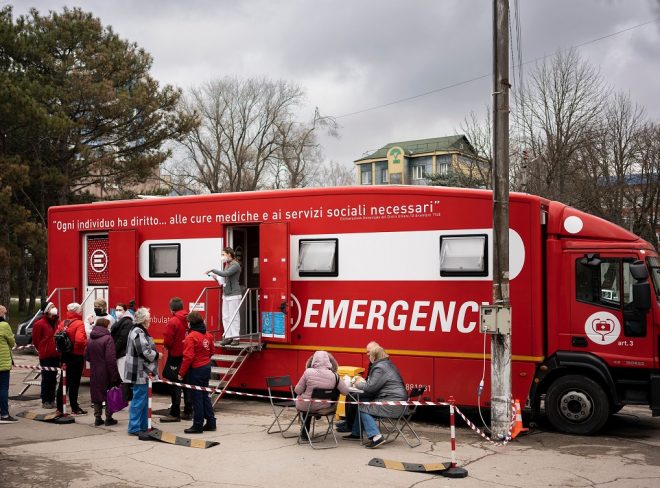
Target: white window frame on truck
point(464, 255)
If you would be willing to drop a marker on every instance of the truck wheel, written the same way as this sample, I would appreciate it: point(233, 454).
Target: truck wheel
point(577, 405)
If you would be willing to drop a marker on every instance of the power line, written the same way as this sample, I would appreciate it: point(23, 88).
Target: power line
point(465, 82)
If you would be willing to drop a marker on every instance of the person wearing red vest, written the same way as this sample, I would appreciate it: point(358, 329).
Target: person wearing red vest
point(43, 332)
point(175, 333)
point(74, 360)
point(198, 347)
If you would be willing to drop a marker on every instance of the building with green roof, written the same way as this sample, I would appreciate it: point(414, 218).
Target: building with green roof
point(412, 162)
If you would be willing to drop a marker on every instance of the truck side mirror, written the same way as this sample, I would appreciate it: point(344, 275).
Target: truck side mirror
point(638, 271)
point(641, 295)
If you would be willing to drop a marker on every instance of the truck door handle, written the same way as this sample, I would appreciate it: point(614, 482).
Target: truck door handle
point(579, 341)
point(283, 307)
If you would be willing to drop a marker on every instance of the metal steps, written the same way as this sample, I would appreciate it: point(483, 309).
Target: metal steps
point(227, 363)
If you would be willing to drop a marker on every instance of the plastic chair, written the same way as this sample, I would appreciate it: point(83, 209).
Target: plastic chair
point(332, 395)
point(397, 426)
point(281, 406)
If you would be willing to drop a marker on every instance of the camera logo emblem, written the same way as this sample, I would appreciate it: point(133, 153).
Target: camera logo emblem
point(602, 328)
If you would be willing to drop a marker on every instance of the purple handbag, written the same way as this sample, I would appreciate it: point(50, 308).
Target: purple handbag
point(115, 400)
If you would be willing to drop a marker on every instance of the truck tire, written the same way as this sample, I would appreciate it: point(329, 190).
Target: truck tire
point(577, 405)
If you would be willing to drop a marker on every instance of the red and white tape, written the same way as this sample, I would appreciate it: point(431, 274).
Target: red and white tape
point(504, 441)
point(43, 368)
point(29, 346)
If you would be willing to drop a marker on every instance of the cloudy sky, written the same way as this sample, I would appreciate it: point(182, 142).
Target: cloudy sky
point(351, 56)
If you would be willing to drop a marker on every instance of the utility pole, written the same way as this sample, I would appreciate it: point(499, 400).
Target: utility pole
point(500, 344)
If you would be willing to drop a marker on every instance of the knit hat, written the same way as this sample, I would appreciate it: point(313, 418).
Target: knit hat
point(74, 307)
point(45, 306)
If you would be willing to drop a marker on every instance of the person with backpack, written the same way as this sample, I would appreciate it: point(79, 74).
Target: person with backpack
point(72, 355)
point(198, 347)
point(175, 333)
point(7, 341)
point(141, 361)
point(119, 332)
point(102, 359)
point(43, 333)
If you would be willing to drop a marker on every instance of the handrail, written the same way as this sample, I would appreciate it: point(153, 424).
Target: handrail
point(204, 290)
point(56, 290)
point(93, 290)
point(251, 332)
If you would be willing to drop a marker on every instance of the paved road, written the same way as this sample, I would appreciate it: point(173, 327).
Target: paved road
point(33, 453)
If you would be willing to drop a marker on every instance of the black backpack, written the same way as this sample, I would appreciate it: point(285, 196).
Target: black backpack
point(63, 342)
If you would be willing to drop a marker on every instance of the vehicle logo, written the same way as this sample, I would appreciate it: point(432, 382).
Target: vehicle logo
point(602, 328)
point(98, 261)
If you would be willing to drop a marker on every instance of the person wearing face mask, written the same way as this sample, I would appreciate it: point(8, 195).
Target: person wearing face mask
point(43, 332)
point(100, 312)
point(74, 360)
point(231, 296)
point(119, 333)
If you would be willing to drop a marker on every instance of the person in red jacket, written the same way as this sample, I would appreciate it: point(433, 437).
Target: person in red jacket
point(43, 331)
point(74, 360)
point(175, 332)
point(198, 348)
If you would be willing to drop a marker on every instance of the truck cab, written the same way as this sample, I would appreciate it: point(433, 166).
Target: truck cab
point(603, 322)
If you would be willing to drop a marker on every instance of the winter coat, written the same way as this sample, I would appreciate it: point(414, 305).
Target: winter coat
point(175, 332)
point(43, 332)
point(102, 359)
point(231, 273)
point(76, 332)
point(383, 383)
point(141, 356)
point(119, 333)
point(198, 347)
point(319, 375)
point(7, 341)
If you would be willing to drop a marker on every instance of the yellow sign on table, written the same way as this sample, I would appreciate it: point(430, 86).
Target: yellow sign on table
point(352, 372)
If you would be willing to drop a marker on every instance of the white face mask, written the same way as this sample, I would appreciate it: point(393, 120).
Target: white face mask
point(52, 311)
point(119, 313)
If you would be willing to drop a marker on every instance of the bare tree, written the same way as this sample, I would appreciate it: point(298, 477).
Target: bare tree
point(558, 115)
point(335, 174)
point(479, 133)
point(247, 137)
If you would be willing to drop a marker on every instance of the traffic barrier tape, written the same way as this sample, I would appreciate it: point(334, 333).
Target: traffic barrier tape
point(29, 346)
point(181, 441)
point(43, 368)
point(415, 467)
point(504, 441)
point(42, 417)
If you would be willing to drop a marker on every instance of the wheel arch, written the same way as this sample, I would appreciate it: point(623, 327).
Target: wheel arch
point(563, 363)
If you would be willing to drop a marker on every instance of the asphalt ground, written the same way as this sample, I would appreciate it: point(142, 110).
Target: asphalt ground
point(32, 453)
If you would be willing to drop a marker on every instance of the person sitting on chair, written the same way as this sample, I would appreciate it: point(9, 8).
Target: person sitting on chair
point(383, 384)
point(318, 374)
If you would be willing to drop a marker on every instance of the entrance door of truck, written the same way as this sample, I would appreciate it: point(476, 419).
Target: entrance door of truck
point(95, 271)
point(123, 267)
point(275, 282)
point(603, 318)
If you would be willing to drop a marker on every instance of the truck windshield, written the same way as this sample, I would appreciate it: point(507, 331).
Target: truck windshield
point(654, 268)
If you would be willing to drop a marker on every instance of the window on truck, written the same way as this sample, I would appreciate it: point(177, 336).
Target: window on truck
point(318, 257)
point(609, 284)
point(464, 255)
point(164, 260)
point(654, 270)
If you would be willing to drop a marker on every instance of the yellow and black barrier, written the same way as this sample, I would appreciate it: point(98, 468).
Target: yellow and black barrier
point(181, 441)
point(435, 468)
point(42, 417)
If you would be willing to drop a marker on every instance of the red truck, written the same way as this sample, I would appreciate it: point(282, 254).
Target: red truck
point(408, 267)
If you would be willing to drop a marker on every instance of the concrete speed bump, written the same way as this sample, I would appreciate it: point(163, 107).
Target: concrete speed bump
point(436, 468)
point(181, 441)
point(44, 417)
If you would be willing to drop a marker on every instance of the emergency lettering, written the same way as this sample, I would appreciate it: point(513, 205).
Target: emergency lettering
point(398, 316)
